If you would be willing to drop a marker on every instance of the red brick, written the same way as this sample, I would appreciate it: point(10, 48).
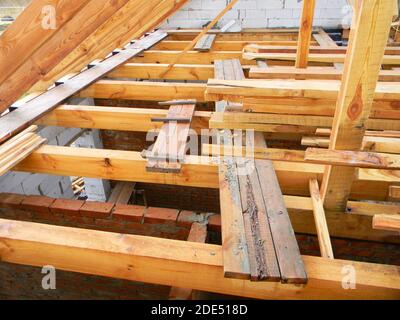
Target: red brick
point(160, 215)
point(67, 206)
point(109, 224)
point(186, 218)
point(130, 213)
point(214, 222)
point(96, 209)
point(37, 203)
point(11, 200)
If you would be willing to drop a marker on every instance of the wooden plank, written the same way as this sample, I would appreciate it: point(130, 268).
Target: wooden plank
point(312, 49)
point(142, 90)
point(324, 239)
point(155, 70)
point(314, 57)
point(205, 43)
point(367, 46)
point(170, 146)
point(21, 118)
point(234, 244)
point(89, 251)
point(262, 256)
point(386, 222)
point(122, 192)
point(305, 32)
point(359, 159)
point(66, 39)
point(114, 118)
point(287, 251)
point(327, 89)
point(394, 193)
point(226, 45)
point(323, 73)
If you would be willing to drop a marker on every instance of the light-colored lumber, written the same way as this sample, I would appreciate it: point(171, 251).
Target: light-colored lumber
point(200, 35)
point(386, 222)
point(196, 265)
point(359, 159)
point(15, 121)
point(394, 193)
point(360, 76)
point(315, 57)
point(123, 27)
point(306, 26)
point(20, 40)
point(66, 39)
point(324, 239)
point(323, 73)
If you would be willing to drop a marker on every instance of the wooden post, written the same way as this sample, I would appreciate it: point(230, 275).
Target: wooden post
point(361, 71)
point(306, 26)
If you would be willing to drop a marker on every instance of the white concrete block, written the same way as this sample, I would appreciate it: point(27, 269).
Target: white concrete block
point(269, 4)
point(287, 23)
point(253, 14)
point(216, 5)
point(293, 4)
point(278, 14)
point(246, 4)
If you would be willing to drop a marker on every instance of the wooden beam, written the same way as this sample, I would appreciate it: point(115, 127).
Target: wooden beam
point(314, 57)
point(116, 165)
point(199, 266)
point(198, 171)
point(16, 121)
point(155, 70)
point(324, 239)
point(386, 222)
point(249, 120)
point(359, 159)
point(189, 57)
point(225, 45)
point(114, 118)
point(328, 89)
point(394, 193)
point(323, 73)
point(305, 32)
point(356, 94)
point(151, 91)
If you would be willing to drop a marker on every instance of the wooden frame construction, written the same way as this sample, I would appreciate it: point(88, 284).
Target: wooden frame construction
point(332, 162)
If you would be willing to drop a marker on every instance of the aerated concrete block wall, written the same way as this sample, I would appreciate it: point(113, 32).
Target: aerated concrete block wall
point(261, 13)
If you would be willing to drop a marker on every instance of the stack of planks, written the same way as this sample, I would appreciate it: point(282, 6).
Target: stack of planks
point(169, 150)
point(18, 148)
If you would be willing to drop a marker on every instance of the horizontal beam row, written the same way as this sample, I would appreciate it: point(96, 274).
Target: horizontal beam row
point(180, 263)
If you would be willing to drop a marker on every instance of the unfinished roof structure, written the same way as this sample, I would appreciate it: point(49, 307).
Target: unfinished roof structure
point(278, 136)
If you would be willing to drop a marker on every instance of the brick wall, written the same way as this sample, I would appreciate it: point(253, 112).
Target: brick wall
point(261, 13)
